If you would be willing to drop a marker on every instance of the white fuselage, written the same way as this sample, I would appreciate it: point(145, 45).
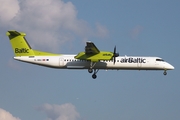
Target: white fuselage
point(122, 62)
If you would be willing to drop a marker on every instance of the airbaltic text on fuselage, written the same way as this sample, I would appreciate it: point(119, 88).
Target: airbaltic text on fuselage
point(21, 50)
point(133, 60)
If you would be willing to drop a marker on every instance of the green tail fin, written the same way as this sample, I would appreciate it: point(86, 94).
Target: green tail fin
point(19, 44)
point(21, 47)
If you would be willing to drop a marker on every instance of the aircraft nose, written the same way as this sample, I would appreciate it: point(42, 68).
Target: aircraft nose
point(169, 67)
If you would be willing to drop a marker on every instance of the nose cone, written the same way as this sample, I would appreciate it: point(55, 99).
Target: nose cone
point(169, 67)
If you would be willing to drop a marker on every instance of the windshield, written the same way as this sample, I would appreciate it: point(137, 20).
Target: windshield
point(159, 60)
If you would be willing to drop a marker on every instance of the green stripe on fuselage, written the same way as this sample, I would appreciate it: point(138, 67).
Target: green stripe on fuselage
point(41, 53)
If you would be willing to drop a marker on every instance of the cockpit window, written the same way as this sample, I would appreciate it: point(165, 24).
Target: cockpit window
point(159, 60)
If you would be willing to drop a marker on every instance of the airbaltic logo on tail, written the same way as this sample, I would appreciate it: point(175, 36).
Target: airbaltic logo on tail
point(21, 50)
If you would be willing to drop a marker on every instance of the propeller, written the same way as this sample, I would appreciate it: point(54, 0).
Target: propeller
point(115, 55)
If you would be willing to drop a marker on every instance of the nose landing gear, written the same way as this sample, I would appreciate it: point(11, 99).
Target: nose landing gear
point(165, 73)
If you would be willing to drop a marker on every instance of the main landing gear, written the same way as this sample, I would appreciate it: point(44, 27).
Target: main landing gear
point(90, 70)
point(94, 76)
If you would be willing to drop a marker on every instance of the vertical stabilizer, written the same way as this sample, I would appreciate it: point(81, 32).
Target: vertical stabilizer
point(21, 47)
point(19, 44)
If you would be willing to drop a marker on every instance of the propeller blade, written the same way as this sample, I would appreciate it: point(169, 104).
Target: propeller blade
point(115, 55)
point(114, 60)
point(114, 50)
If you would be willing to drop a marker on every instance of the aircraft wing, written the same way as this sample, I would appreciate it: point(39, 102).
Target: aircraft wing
point(93, 54)
point(91, 48)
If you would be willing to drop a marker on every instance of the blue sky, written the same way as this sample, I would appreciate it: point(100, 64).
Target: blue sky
point(136, 27)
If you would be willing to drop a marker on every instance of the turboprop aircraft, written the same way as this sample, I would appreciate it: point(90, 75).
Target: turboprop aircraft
point(91, 59)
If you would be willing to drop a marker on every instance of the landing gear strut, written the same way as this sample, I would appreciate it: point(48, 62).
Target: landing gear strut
point(90, 70)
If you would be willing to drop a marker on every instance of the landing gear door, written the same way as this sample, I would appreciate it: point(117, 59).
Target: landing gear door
point(61, 61)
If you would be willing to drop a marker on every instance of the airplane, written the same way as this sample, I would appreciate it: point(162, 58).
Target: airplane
point(91, 59)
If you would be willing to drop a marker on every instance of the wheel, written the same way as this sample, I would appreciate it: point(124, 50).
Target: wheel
point(165, 73)
point(90, 70)
point(94, 76)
